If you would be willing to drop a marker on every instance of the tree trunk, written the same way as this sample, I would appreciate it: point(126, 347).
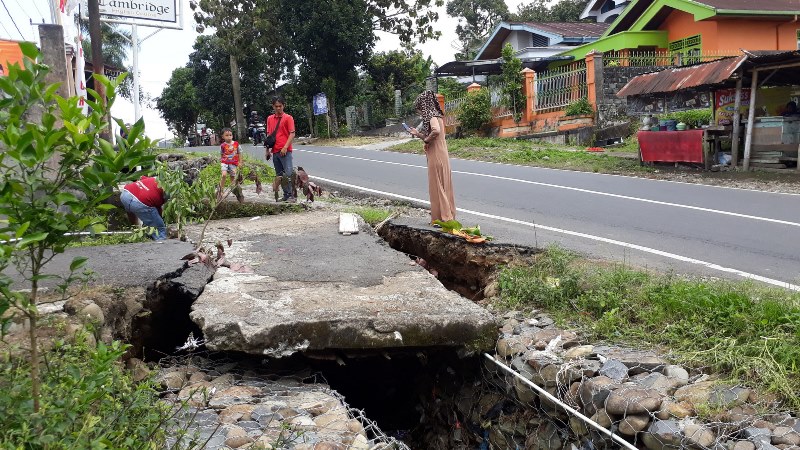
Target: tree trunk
point(334, 119)
point(35, 375)
point(97, 57)
point(311, 118)
point(237, 99)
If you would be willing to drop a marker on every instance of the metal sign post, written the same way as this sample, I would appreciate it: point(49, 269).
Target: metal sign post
point(160, 14)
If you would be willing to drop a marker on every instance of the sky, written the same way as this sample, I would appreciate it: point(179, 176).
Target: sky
point(168, 49)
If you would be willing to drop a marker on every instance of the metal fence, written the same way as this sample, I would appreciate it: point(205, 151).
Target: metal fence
point(554, 89)
point(452, 109)
point(499, 108)
point(661, 58)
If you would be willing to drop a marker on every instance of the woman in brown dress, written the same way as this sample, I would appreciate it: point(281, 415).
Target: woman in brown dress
point(440, 181)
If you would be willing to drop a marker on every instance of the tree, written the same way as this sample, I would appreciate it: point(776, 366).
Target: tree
point(385, 72)
point(115, 44)
point(476, 21)
point(403, 18)
point(244, 28)
point(57, 169)
point(540, 11)
point(178, 103)
point(512, 82)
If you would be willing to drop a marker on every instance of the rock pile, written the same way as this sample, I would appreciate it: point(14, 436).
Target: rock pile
point(225, 408)
point(636, 394)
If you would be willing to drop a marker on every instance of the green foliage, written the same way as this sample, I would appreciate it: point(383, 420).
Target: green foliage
point(451, 88)
point(57, 170)
point(88, 401)
point(477, 19)
point(546, 11)
point(579, 107)
point(179, 103)
point(372, 216)
point(694, 118)
point(476, 112)
point(385, 72)
point(513, 97)
point(739, 329)
point(138, 235)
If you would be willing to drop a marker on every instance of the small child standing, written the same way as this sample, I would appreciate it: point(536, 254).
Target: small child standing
point(229, 160)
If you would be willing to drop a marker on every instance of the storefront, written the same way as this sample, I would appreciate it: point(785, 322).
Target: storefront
point(761, 124)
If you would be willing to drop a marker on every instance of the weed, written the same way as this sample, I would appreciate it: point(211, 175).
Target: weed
point(738, 329)
point(372, 216)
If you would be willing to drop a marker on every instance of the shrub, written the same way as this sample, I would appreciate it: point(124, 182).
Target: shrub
point(579, 107)
point(88, 401)
point(694, 118)
point(513, 97)
point(476, 113)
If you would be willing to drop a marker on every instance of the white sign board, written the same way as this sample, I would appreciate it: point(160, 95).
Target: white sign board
point(156, 10)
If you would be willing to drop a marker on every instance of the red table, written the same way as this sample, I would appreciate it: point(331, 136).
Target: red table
point(671, 146)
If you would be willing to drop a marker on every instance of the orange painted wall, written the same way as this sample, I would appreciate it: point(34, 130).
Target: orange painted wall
point(679, 25)
point(732, 34)
point(10, 53)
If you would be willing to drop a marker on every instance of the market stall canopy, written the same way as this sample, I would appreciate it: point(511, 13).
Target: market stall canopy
point(493, 66)
point(719, 73)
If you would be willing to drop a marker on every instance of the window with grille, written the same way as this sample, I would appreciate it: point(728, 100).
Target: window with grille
point(687, 50)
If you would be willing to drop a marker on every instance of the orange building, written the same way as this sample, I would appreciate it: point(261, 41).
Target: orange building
point(10, 53)
point(692, 27)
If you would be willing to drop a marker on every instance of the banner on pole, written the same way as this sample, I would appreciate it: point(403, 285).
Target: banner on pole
point(320, 104)
point(80, 76)
point(157, 10)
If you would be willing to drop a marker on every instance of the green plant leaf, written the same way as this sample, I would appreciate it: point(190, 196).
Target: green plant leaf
point(31, 239)
point(29, 49)
point(77, 263)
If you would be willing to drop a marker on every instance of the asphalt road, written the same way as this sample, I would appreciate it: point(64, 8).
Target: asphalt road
point(685, 228)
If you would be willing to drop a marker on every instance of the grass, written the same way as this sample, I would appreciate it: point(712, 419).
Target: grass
point(531, 153)
point(372, 216)
point(135, 236)
point(738, 329)
point(351, 141)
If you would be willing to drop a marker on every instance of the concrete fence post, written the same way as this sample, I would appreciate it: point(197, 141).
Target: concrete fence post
point(528, 90)
point(594, 78)
point(54, 54)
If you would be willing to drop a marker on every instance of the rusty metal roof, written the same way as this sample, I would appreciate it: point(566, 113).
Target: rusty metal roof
point(669, 80)
point(769, 6)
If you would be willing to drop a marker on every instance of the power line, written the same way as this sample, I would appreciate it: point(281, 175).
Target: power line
point(6, 30)
point(12, 19)
point(35, 5)
point(24, 11)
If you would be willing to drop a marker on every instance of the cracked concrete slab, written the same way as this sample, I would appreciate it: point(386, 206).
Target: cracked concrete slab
point(309, 288)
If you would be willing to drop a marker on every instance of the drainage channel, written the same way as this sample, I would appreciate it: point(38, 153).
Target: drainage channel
point(421, 397)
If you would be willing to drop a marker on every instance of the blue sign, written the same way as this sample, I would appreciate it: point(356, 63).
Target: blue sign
point(320, 104)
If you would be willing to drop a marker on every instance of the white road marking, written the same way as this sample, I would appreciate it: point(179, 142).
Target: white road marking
point(685, 259)
point(585, 191)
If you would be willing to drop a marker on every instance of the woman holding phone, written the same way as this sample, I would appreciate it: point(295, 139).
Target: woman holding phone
point(432, 133)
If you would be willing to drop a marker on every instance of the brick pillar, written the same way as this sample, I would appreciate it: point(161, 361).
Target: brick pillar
point(440, 99)
point(473, 87)
point(625, 57)
point(594, 77)
point(528, 88)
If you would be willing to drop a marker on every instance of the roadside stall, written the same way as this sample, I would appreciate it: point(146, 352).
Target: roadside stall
point(769, 117)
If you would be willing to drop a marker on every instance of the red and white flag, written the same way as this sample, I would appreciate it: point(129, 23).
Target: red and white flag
point(80, 76)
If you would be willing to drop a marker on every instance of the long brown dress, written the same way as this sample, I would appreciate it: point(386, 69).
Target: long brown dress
point(440, 180)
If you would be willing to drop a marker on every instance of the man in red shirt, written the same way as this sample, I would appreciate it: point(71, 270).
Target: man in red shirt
point(282, 124)
point(143, 199)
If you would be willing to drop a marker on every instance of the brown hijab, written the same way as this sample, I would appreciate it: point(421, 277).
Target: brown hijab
point(428, 107)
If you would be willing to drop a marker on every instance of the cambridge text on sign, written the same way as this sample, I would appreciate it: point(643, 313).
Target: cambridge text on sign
point(157, 10)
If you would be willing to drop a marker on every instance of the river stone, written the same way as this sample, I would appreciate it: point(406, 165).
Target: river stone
point(696, 393)
point(172, 380)
point(359, 443)
point(332, 421)
point(728, 396)
point(637, 361)
point(510, 346)
point(525, 393)
point(196, 394)
point(594, 392)
point(92, 313)
point(224, 398)
point(236, 437)
point(632, 400)
point(633, 423)
point(602, 418)
point(316, 403)
point(699, 436)
point(659, 382)
point(546, 376)
point(663, 435)
point(138, 368)
point(545, 438)
point(669, 409)
point(578, 426)
point(547, 335)
point(343, 292)
point(744, 445)
point(785, 435)
point(678, 372)
point(580, 351)
point(329, 446)
point(235, 413)
point(614, 369)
